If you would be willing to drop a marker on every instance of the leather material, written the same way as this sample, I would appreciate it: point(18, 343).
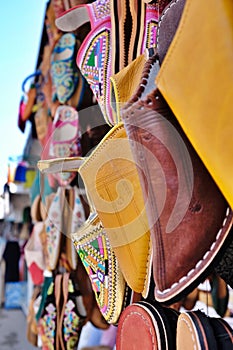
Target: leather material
point(115, 190)
point(111, 179)
point(196, 81)
point(124, 83)
point(155, 325)
point(167, 26)
point(188, 216)
point(194, 331)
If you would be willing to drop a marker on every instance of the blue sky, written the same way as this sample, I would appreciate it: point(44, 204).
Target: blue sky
point(21, 28)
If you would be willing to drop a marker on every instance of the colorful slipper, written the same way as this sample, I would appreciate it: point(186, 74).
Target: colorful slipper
point(74, 217)
point(94, 249)
point(63, 69)
point(65, 139)
point(53, 227)
point(102, 53)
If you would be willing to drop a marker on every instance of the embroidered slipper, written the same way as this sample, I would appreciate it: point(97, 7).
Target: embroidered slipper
point(65, 139)
point(63, 70)
point(53, 33)
point(117, 197)
point(70, 320)
point(94, 249)
point(28, 105)
point(47, 85)
point(34, 254)
point(73, 219)
point(47, 315)
point(42, 119)
point(101, 53)
point(53, 227)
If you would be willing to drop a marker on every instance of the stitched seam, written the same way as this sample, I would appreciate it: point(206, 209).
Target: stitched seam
point(205, 257)
point(190, 329)
point(177, 36)
point(144, 319)
point(84, 243)
point(161, 19)
point(162, 332)
point(148, 270)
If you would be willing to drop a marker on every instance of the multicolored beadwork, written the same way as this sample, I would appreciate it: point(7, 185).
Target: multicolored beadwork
point(100, 9)
point(99, 260)
point(151, 24)
point(94, 61)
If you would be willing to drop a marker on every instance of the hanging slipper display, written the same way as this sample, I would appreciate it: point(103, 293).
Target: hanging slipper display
point(120, 31)
point(177, 185)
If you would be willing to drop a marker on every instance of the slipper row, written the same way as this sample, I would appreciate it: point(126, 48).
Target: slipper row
point(145, 325)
